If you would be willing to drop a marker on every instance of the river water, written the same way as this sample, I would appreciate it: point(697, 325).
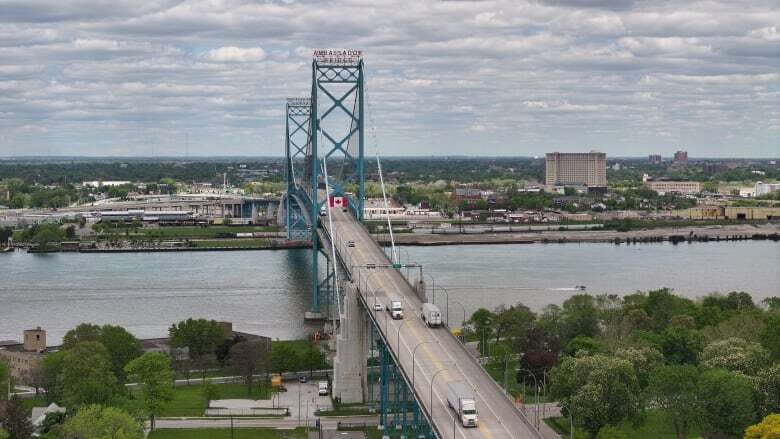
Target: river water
point(266, 292)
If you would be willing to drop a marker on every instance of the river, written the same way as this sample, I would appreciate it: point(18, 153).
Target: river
point(266, 292)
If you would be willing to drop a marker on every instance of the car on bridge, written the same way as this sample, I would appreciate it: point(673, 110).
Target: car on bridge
point(378, 306)
point(396, 309)
point(350, 243)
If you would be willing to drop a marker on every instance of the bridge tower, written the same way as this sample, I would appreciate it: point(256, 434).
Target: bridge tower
point(325, 131)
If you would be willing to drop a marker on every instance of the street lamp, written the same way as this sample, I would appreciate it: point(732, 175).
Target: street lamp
point(433, 378)
point(414, 352)
point(464, 312)
point(398, 338)
point(536, 394)
point(571, 420)
point(433, 287)
point(447, 304)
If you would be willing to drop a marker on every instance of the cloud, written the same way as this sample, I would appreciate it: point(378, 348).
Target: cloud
point(523, 76)
point(235, 54)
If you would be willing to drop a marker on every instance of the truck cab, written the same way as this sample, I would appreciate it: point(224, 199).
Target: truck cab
point(396, 309)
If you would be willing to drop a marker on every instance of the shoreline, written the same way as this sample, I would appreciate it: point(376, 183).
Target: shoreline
point(674, 235)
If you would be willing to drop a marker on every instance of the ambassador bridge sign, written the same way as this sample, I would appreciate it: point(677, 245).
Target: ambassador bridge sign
point(338, 56)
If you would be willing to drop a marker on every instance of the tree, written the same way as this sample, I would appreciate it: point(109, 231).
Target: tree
point(47, 234)
point(600, 390)
point(662, 305)
point(122, 347)
point(82, 332)
point(51, 367)
point(98, 422)
point(679, 345)
point(580, 317)
point(770, 336)
point(4, 434)
point(15, 420)
point(248, 358)
point(86, 376)
point(768, 388)
point(482, 322)
point(727, 403)
point(610, 432)
point(4, 376)
point(769, 428)
point(153, 370)
point(120, 344)
point(644, 359)
point(313, 358)
point(210, 392)
point(583, 345)
point(200, 336)
point(736, 355)
point(283, 358)
point(674, 389)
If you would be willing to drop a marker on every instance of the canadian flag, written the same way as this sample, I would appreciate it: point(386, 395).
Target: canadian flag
point(337, 201)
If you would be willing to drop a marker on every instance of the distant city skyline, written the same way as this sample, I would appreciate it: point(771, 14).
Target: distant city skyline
point(494, 78)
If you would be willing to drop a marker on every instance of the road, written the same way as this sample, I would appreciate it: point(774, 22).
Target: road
point(439, 356)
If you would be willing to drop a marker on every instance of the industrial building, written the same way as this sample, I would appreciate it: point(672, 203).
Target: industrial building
point(576, 169)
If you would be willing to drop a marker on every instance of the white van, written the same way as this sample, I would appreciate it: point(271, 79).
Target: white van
point(323, 388)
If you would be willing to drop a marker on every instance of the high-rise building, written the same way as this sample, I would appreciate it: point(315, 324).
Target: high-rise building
point(655, 158)
point(576, 169)
point(681, 158)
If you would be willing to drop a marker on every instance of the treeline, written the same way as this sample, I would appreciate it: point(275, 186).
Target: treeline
point(712, 365)
point(89, 373)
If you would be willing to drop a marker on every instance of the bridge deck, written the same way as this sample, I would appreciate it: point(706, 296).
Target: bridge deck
point(498, 418)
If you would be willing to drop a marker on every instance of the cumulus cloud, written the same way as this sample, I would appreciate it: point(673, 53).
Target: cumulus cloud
point(235, 54)
point(523, 76)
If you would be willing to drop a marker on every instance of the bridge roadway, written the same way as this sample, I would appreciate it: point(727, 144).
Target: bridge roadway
point(439, 355)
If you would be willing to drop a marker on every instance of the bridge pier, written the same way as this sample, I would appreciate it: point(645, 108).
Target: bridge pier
point(349, 366)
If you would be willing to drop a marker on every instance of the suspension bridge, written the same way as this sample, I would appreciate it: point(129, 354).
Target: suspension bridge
point(411, 364)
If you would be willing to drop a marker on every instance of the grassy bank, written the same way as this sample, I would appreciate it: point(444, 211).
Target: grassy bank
point(656, 426)
point(190, 400)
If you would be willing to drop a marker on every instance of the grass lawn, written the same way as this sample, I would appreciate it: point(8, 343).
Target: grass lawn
point(496, 370)
point(189, 400)
point(202, 232)
point(37, 401)
point(224, 433)
point(656, 426)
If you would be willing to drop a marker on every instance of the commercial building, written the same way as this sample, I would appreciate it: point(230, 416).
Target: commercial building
point(677, 187)
point(681, 158)
point(766, 188)
point(24, 358)
point(576, 169)
point(655, 158)
point(730, 213)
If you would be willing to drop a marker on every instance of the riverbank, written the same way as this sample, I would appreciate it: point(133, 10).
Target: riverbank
point(674, 234)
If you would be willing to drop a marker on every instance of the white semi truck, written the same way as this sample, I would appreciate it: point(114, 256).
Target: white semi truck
point(431, 315)
point(395, 308)
point(461, 398)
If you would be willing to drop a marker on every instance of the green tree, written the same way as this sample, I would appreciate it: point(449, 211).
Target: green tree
point(726, 400)
point(5, 375)
point(600, 390)
point(674, 389)
point(98, 422)
point(122, 347)
point(736, 355)
point(580, 317)
point(16, 421)
point(86, 376)
point(210, 392)
point(313, 358)
point(662, 305)
point(47, 234)
point(768, 388)
point(283, 358)
point(583, 345)
point(769, 428)
point(153, 371)
point(770, 336)
point(81, 333)
point(4, 434)
point(248, 358)
point(51, 368)
point(120, 344)
point(644, 359)
point(679, 345)
point(611, 432)
point(200, 336)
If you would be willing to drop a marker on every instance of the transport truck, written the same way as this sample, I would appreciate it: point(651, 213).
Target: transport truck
point(431, 315)
point(461, 398)
point(395, 308)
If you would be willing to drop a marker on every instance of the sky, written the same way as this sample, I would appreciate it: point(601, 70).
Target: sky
point(168, 77)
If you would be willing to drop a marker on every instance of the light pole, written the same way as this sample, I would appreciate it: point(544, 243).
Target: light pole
point(447, 304)
point(571, 420)
point(433, 378)
point(433, 287)
point(536, 395)
point(464, 313)
point(414, 352)
point(398, 338)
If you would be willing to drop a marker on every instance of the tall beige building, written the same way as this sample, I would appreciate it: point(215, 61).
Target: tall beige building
point(578, 168)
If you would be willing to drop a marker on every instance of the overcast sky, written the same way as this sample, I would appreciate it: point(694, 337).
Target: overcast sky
point(136, 78)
